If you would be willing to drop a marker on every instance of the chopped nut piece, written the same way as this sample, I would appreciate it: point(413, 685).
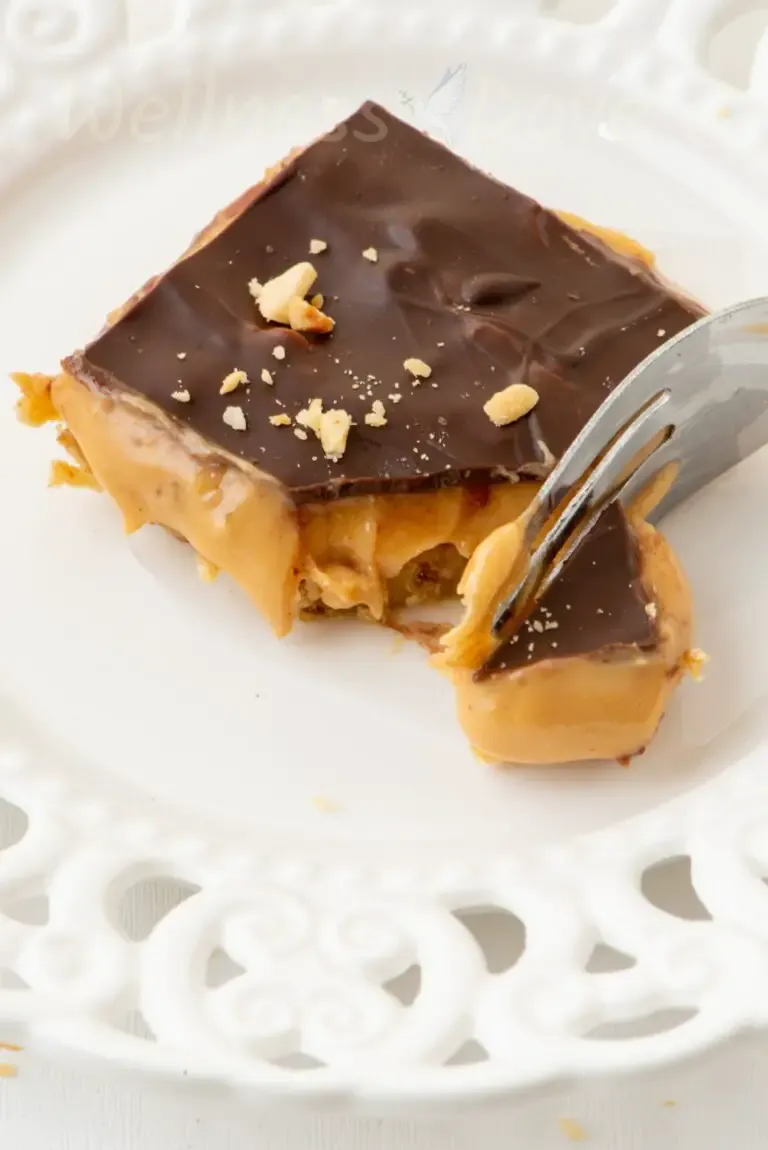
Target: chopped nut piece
point(35, 406)
point(573, 1130)
point(317, 247)
point(281, 420)
point(377, 417)
point(395, 397)
point(651, 610)
point(181, 355)
point(312, 416)
point(181, 396)
point(70, 475)
point(372, 255)
point(232, 381)
point(207, 571)
point(279, 351)
point(300, 433)
point(334, 430)
point(511, 404)
point(234, 417)
point(318, 301)
point(255, 288)
point(695, 661)
point(418, 368)
point(303, 316)
point(267, 377)
point(275, 296)
point(325, 806)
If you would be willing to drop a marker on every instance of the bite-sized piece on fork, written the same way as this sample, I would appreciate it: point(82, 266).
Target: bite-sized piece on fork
point(690, 412)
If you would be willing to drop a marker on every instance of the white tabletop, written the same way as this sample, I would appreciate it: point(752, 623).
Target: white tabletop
point(720, 1102)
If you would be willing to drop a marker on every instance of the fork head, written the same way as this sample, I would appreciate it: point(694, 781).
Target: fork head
point(692, 405)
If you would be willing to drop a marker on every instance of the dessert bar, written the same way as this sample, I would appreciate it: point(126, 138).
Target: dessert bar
point(357, 376)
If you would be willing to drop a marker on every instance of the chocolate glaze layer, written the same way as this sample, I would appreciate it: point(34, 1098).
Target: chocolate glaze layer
point(477, 280)
point(599, 594)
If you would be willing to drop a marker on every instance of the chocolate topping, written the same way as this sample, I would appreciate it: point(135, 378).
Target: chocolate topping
point(473, 278)
point(479, 282)
point(599, 594)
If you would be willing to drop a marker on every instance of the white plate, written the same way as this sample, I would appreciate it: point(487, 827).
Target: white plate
point(152, 726)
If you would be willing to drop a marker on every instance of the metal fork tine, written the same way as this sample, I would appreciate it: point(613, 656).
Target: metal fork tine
point(619, 410)
point(714, 376)
point(595, 488)
point(648, 470)
point(626, 493)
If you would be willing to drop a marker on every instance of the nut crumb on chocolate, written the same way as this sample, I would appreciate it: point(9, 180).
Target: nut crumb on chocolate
point(267, 377)
point(377, 417)
point(275, 296)
point(281, 420)
point(181, 396)
point(300, 433)
point(334, 431)
point(372, 255)
point(304, 316)
point(317, 247)
point(234, 417)
point(311, 416)
point(511, 404)
point(279, 352)
point(418, 368)
point(232, 381)
point(254, 287)
point(181, 355)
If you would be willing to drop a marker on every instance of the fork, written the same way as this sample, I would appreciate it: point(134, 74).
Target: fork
point(694, 404)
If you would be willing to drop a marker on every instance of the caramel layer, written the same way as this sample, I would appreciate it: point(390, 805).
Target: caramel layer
point(341, 556)
point(355, 553)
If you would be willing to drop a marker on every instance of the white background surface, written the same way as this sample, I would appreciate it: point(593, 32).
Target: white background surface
point(720, 1102)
